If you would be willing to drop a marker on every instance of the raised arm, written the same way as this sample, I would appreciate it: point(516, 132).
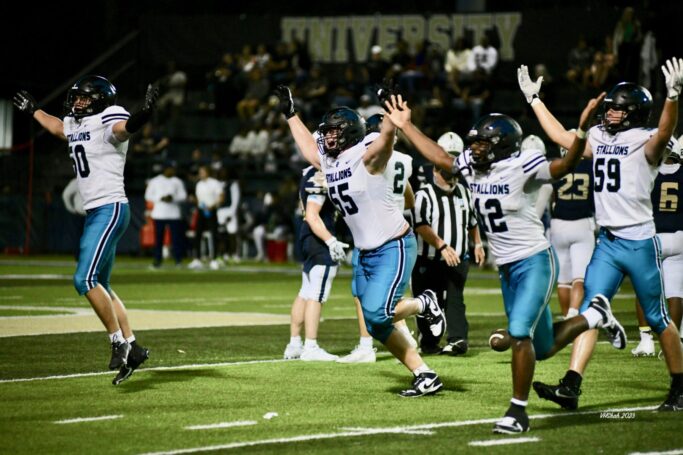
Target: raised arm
point(399, 114)
point(409, 196)
point(124, 129)
point(303, 138)
point(673, 77)
point(27, 104)
point(552, 127)
point(379, 152)
point(560, 167)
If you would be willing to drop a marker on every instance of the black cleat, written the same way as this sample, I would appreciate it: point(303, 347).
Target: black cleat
point(511, 425)
point(119, 355)
point(432, 313)
point(423, 384)
point(615, 331)
point(565, 396)
point(137, 357)
point(455, 348)
point(674, 402)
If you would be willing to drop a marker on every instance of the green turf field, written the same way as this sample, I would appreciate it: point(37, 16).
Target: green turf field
point(212, 388)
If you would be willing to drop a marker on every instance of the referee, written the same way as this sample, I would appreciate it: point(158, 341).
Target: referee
point(444, 219)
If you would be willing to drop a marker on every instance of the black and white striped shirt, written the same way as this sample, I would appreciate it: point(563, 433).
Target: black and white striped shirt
point(450, 215)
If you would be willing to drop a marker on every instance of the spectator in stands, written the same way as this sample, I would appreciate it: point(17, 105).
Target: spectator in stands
point(280, 65)
point(473, 96)
point(483, 56)
point(627, 42)
point(367, 108)
point(167, 193)
point(256, 92)
point(197, 160)
point(648, 55)
point(349, 89)
point(301, 60)
point(246, 59)
point(208, 197)
point(228, 215)
point(376, 67)
point(603, 70)
point(150, 148)
point(579, 62)
point(223, 83)
point(173, 92)
point(256, 215)
point(457, 61)
point(313, 94)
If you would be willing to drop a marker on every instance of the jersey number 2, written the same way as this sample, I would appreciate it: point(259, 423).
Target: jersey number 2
point(494, 213)
point(80, 162)
point(398, 178)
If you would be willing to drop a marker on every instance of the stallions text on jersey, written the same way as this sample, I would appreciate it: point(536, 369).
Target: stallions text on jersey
point(623, 181)
point(504, 197)
point(363, 199)
point(98, 157)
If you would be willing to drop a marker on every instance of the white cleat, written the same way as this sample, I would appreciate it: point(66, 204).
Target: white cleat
point(360, 355)
point(646, 347)
point(293, 351)
point(313, 354)
point(196, 264)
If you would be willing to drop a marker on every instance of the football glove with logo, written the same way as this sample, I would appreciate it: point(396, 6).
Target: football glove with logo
point(284, 95)
point(25, 102)
point(336, 249)
point(673, 77)
point(528, 87)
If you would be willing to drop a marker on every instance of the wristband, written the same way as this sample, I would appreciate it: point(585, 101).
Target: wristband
point(535, 99)
point(442, 247)
point(581, 134)
point(672, 98)
point(479, 245)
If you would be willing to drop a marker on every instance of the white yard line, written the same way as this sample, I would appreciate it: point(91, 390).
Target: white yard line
point(212, 426)
point(177, 367)
point(372, 431)
point(502, 442)
point(87, 419)
point(669, 452)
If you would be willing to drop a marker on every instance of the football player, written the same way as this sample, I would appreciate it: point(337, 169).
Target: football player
point(322, 253)
point(668, 216)
point(504, 182)
point(626, 155)
point(386, 244)
point(572, 232)
point(97, 131)
point(397, 172)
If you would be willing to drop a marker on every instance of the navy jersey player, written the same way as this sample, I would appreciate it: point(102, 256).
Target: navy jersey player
point(97, 131)
point(504, 182)
point(322, 253)
point(626, 156)
point(387, 246)
point(572, 232)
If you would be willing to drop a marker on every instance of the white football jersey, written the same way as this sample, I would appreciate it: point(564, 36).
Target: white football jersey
point(623, 181)
point(98, 157)
point(505, 198)
point(363, 199)
point(398, 171)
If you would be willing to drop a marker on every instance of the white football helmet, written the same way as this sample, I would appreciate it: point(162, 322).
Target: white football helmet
point(451, 143)
point(533, 142)
point(563, 151)
point(673, 149)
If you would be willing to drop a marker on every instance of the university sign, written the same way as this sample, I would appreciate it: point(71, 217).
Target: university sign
point(336, 39)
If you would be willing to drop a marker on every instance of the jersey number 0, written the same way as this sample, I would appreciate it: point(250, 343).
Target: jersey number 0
point(80, 162)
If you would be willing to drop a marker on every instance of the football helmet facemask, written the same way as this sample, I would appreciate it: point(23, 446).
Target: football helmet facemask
point(341, 129)
point(633, 100)
point(90, 95)
point(498, 137)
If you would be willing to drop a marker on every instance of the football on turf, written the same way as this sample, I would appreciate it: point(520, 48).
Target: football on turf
point(499, 340)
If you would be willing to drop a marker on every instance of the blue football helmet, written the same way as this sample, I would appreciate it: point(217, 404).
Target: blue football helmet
point(349, 126)
point(634, 100)
point(501, 132)
point(97, 89)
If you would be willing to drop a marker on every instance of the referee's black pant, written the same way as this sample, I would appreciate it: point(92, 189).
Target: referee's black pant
point(448, 283)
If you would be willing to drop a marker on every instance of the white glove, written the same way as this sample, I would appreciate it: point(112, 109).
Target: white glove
point(673, 77)
point(336, 249)
point(529, 87)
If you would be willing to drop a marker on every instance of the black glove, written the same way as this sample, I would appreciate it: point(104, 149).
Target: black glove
point(286, 106)
point(138, 119)
point(25, 102)
point(385, 90)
